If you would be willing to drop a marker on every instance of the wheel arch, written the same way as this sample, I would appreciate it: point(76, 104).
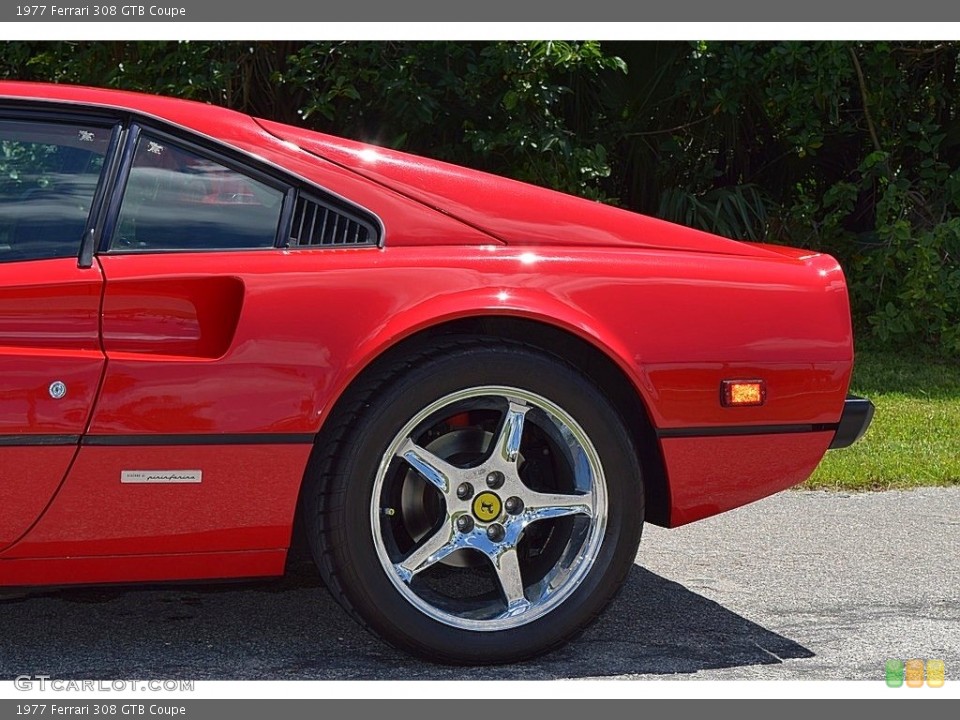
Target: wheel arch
point(598, 362)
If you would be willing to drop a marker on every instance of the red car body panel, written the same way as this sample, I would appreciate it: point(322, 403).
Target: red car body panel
point(772, 462)
point(242, 504)
point(141, 568)
point(49, 330)
point(173, 359)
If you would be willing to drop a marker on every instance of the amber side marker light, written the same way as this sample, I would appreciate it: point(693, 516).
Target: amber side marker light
point(743, 393)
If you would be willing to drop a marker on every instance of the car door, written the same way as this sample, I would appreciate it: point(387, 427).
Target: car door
point(51, 362)
point(183, 453)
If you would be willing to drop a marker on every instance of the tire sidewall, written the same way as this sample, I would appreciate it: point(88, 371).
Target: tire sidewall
point(373, 594)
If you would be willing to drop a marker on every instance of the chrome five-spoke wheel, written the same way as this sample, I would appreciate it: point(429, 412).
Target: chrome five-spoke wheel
point(489, 506)
point(479, 503)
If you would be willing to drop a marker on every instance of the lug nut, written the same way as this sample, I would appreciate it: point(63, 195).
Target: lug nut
point(494, 479)
point(465, 491)
point(513, 505)
point(496, 532)
point(464, 523)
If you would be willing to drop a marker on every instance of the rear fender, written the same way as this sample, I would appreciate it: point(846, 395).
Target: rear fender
point(489, 302)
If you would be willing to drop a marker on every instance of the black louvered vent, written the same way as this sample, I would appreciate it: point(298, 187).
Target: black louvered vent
point(317, 224)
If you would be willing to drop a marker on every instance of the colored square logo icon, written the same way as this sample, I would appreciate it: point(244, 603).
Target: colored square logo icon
point(936, 672)
point(914, 673)
point(894, 672)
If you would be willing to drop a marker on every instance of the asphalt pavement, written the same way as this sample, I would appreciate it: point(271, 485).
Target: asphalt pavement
point(803, 585)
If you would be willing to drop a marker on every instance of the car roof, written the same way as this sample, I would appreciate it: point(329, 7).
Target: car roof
point(210, 120)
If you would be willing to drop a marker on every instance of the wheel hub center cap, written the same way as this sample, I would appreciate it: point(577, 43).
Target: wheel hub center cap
point(487, 506)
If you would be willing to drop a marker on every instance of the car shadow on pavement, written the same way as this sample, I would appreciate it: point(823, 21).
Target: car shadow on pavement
point(292, 629)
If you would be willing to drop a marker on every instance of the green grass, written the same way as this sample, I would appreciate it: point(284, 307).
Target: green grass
point(914, 439)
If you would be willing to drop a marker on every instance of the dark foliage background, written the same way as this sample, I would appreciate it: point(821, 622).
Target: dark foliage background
point(852, 148)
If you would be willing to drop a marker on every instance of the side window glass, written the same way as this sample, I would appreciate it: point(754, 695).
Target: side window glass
point(48, 176)
point(176, 199)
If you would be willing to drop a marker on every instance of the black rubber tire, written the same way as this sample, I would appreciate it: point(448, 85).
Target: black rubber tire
point(338, 494)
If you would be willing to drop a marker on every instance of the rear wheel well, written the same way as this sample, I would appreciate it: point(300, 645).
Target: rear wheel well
point(587, 358)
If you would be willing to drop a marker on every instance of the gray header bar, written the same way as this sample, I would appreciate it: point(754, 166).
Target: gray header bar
point(578, 11)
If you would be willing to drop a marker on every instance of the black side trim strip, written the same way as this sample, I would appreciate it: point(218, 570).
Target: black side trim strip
point(745, 430)
point(236, 439)
point(20, 440)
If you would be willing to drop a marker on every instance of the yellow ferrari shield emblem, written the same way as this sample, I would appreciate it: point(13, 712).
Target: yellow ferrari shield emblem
point(486, 506)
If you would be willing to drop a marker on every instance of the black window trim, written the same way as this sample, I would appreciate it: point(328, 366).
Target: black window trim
point(99, 208)
point(238, 161)
point(258, 167)
point(45, 113)
point(122, 176)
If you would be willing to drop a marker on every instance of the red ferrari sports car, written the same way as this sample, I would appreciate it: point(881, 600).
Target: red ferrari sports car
point(471, 391)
